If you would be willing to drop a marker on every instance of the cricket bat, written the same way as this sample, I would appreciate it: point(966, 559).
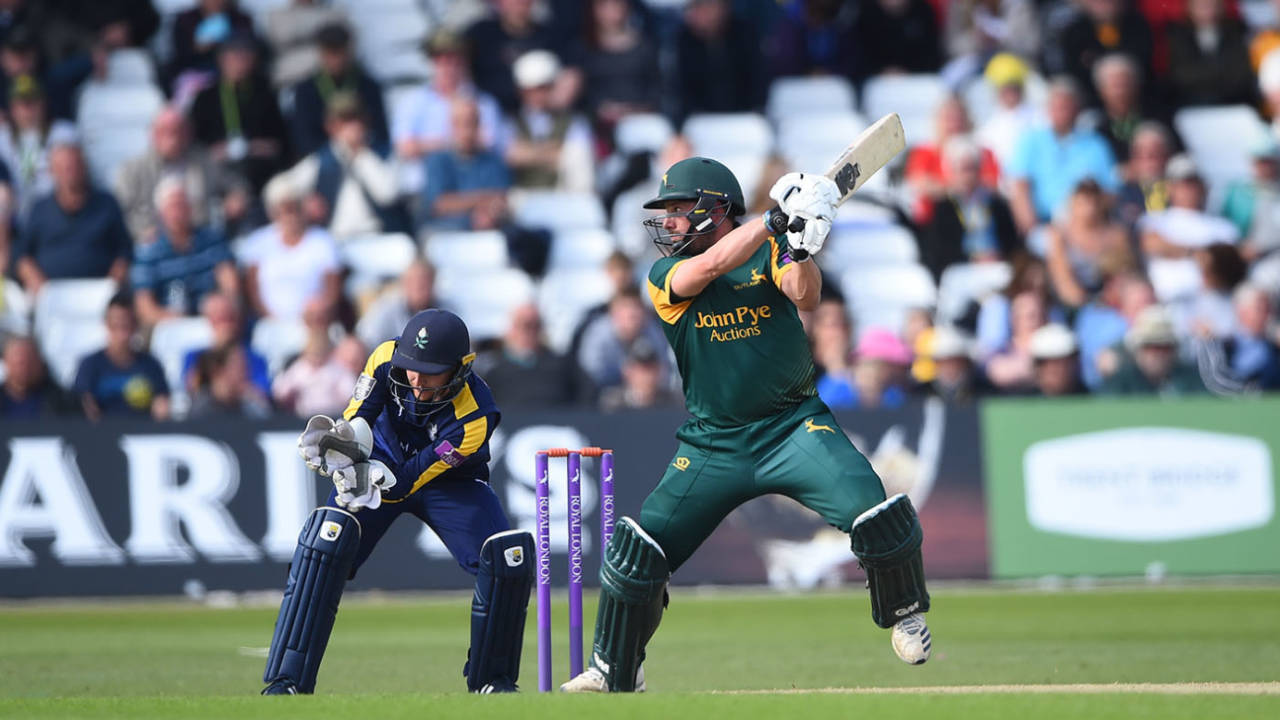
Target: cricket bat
point(870, 151)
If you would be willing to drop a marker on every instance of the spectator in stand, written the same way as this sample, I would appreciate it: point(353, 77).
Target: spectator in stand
point(467, 183)
point(351, 189)
point(227, 323)
point(209, 185)
point(198, 33)
point(28, 140)
point(511, 31)
point(969, 222)
point(294, 31)
point(120, 380)
point(172, 274)
point(75, 231)
point(338, 73)
point(619, 65)
point(816, 37)
point(955, 379)
point(1170, 237)
point(319, 382)
point(605, 341)
point(644, 383)
point(831, 338)
point(1103, 322)
point(549, 148)
point(386, 317)
point(924, 166)
point(1050, 161)
point(1149, 363)
point(1105, 27)
point(423, 124)
point(879, 375)
point(1011, 369)
point(1013, 115)
point(621, 271)
point(288, 263)
point(27, 392)
point(727, 49)
point(1209, 312)
point(1146, 190)
point(222, 387)
point(1056, 362)
point(977, 29)
point(1254, 205)
point(237, 117)
point(524, 372)
point(1249, 358)
point(1116, 81)
point(1209, 58)
point(995, 311)
point(897, 36)
point(1083, 245)
point(20, 56)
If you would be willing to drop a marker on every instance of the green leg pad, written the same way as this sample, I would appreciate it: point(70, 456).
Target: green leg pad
point(633, 582)
point(887, 541)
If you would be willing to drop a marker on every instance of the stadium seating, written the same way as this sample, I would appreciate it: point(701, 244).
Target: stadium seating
point(466, 251)
point(380, 257)
point(966, 283)
point(1220, 140)
point(881, 295)
point(130, 66)
point(564, 298)
point(65, 341)
point(556, 210)
point(852, 246)
point(73, 300)
point(818, 134)
point(580, 249)
point(388, 41)
point(642, 132)
point(484, 300)
point(277, 341)
point(115, 124)
point(914, 97)
point(15, 308)
point(171, 340)
point(828, 94)
point(717, 135)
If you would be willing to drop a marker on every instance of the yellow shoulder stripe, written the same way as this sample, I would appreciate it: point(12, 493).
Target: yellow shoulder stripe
point(661, 296)
point(473, 435)
point(464, 403)
point(380, 355)
point(777, 271)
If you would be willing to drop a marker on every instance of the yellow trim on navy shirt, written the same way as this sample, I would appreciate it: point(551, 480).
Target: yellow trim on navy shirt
point(669, 312)
point(473, 435)
point(464, 403)
point(380, 355)
point(776, 271)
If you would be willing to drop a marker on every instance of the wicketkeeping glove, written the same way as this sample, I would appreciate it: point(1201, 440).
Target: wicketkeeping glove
point(309, 442)
point(327, 445)
point(812, 199)
point(361, 484)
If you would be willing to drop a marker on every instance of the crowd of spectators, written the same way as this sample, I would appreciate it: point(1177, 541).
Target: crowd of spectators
point(1129, 272)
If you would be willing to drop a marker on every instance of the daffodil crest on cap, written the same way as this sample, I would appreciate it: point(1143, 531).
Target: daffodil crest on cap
point(711, 185)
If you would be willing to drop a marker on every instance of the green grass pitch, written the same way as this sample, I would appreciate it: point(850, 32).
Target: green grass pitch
point(402, 658)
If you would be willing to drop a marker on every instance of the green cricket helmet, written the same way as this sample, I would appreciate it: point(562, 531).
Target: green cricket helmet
point(711, 185)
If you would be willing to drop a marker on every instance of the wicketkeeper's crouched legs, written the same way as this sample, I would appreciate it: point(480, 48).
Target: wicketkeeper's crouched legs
point(326, 551)
point(633, 584)
point(887, 540)
point(498, 609)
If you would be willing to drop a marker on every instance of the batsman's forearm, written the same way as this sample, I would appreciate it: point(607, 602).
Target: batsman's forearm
point(737, 247)
point(803, 285)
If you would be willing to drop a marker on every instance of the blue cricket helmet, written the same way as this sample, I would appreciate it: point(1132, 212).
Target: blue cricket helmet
point(433, 342)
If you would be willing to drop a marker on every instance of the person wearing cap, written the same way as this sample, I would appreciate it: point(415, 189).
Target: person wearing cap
point(288, 263)
point(1102, 323)
point(467, 182)
point(237, 116)
point(1013, 115)
point(413, 440)
point(338, 72)
point(1253, 205)
point(1149, 363)
point(877, 379)
point(549, 148)
point(506, 34)
point(27, 140)
point(421, 124)
point(955, 379)
point(1055, 358)
point(352, 189)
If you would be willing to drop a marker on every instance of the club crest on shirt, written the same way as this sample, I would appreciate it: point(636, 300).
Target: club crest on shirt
point(364, 386)
point(449, 454)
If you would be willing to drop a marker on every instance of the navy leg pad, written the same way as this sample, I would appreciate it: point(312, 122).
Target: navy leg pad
point(498, 610)
point(318, 573)
point(887, 540)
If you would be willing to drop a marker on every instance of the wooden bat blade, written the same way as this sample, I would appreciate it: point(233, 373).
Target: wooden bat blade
point(870, 151)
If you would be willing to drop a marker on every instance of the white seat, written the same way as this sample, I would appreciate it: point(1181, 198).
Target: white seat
point(716, 135)
point(1220, 139)
point(853, 246)
point(378, 256)
point(277, 341)
point(467, 251)
point(79, 299)
point(404, 65)
point(823, 134)
point(66, 340)
point(628, 219)
point(642, 132)
point(173, 7)
point(881, 295)
point(748, 168)
point(388, 29)
point(130, 66)
point(15, 308)
point(556, 210)
point(108, 148)
point(966, 283)
point(581, 249)
point(105, 104)
point(172, 339)
point(484, 300)
point(914, 97)
point(564, 298)
point(827, 94)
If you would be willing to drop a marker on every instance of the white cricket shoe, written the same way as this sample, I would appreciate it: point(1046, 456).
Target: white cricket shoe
point(911, 639)
point(592, 680)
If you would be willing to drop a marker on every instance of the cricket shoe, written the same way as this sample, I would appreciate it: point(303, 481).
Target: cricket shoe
point(592, 680)
point(498, 686)
point(281, 687)
point(911, 639)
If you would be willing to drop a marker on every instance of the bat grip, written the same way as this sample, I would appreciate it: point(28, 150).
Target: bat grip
point(778, 223)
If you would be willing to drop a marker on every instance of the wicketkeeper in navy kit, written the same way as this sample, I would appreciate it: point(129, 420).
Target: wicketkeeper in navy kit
point(414, 438)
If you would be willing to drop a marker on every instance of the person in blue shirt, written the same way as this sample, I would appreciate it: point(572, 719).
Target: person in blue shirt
point(119, 380)
point(466, 185)
point(414, 439)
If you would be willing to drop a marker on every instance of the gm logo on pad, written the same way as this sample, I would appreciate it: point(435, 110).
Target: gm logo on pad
point(330, 531)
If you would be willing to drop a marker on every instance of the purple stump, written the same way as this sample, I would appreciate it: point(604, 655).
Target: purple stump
point(606, 501)
point(544, 573)
point(575, 564)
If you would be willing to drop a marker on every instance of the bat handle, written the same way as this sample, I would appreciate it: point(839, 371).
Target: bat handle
point(778, 223)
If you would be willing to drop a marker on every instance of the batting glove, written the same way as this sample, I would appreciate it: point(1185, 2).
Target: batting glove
point(811, 199)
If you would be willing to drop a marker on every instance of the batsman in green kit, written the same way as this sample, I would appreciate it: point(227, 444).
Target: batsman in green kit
point(728, 295)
